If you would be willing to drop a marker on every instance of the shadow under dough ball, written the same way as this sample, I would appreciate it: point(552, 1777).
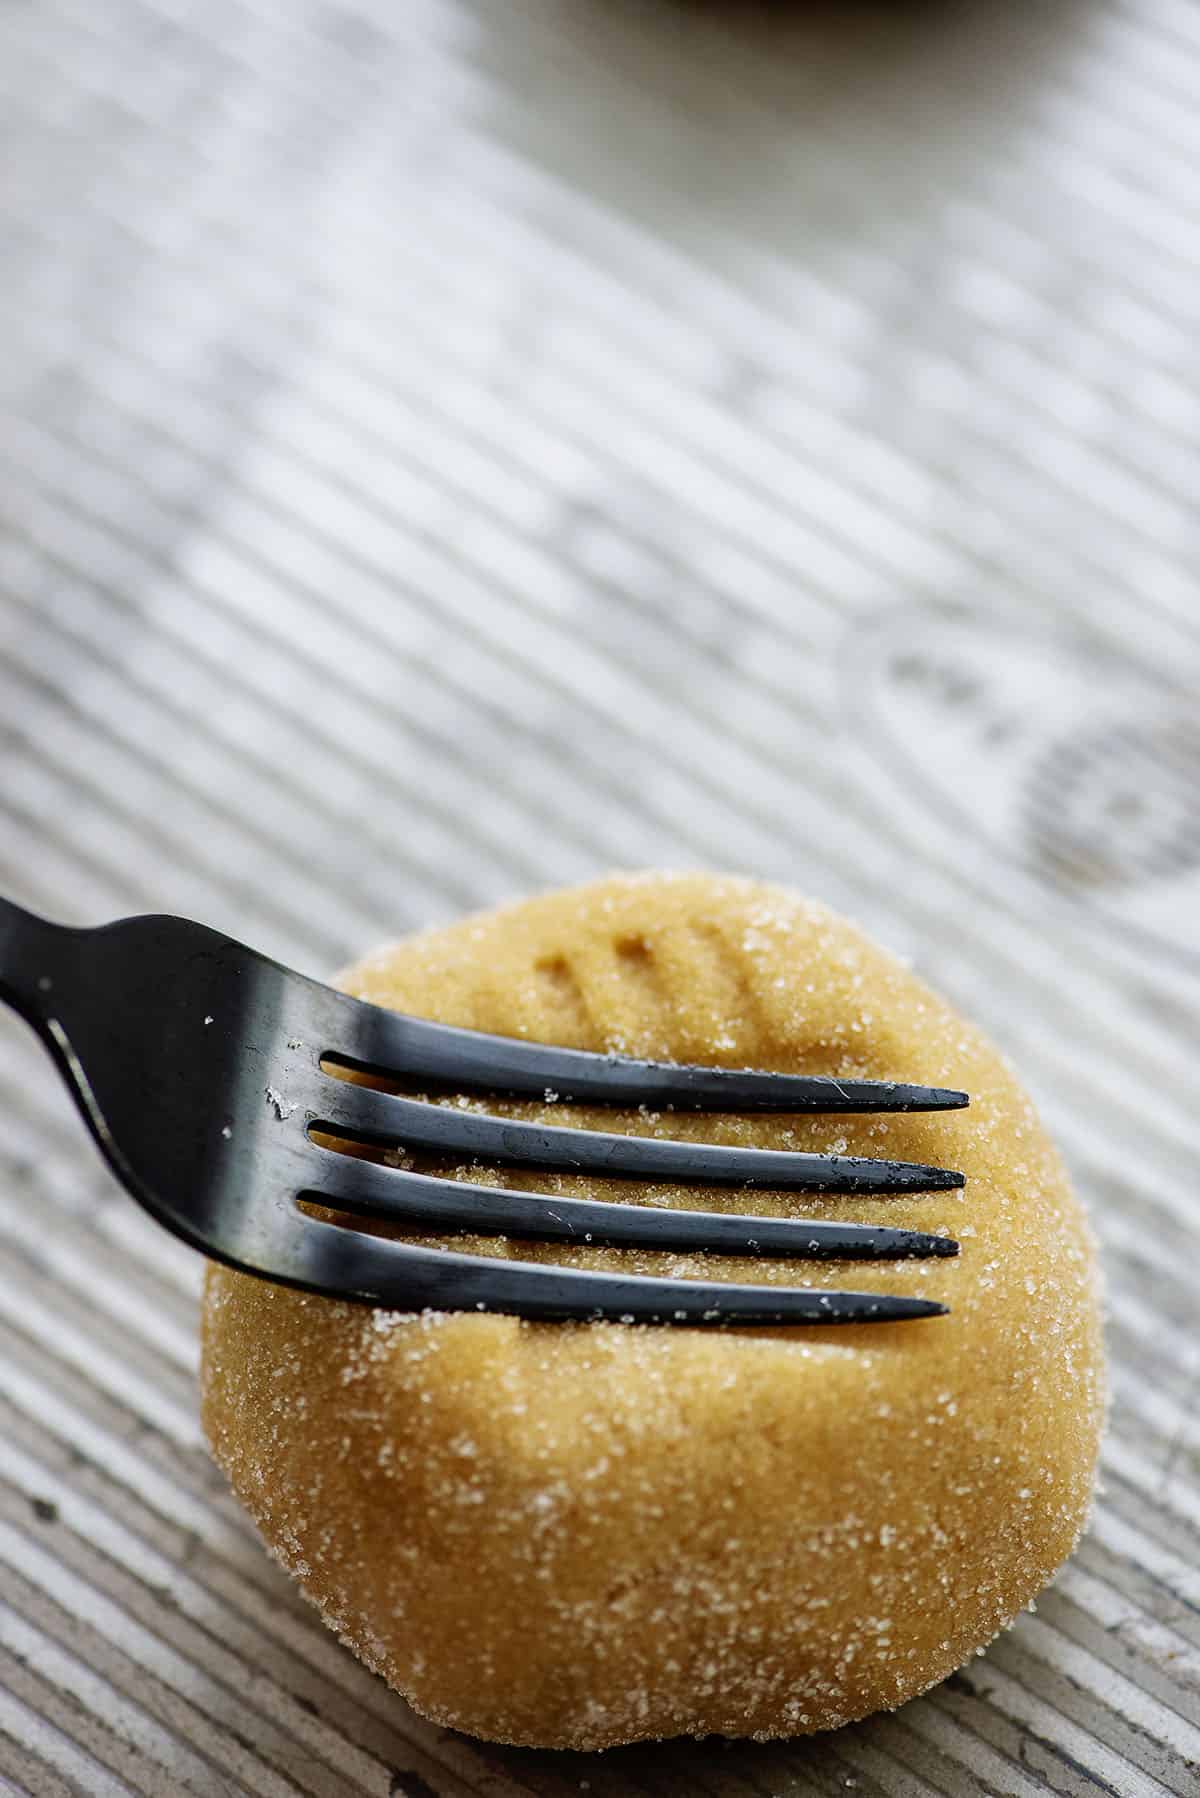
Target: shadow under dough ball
point(584, 1535)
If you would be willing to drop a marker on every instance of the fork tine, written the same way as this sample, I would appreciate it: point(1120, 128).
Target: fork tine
point(411, 1198)
point(408, 1277)
point(367, 1115)
point(441, 1055)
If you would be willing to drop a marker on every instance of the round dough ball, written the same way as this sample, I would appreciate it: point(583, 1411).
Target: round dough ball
point(583, 1535)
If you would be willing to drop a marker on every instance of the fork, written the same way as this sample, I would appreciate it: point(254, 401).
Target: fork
point(206, 1071)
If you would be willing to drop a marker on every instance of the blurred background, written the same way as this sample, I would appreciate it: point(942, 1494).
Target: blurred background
point(450, 449)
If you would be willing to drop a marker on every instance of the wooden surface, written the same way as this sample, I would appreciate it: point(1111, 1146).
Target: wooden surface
point(451, 448)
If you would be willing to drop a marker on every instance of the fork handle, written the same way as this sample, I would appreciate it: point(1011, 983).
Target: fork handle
point(31, 961)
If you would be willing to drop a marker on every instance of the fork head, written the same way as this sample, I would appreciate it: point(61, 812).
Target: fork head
point(205, 1071)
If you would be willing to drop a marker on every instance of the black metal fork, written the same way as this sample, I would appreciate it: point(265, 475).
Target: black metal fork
point(204, 1070)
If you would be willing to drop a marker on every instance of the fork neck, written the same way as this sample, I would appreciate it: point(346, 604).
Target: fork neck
point(31, 957)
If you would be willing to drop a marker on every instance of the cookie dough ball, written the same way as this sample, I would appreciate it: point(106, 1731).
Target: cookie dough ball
point(584, 1535)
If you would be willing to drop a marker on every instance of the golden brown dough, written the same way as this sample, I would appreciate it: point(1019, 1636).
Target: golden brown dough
point(577, 1536)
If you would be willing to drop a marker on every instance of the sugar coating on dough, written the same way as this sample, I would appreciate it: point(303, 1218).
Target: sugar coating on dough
point(585, 1535)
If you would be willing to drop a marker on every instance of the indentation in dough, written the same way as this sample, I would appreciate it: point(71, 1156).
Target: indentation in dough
point(563, 993)
point(723, 971)
point(642, 975)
